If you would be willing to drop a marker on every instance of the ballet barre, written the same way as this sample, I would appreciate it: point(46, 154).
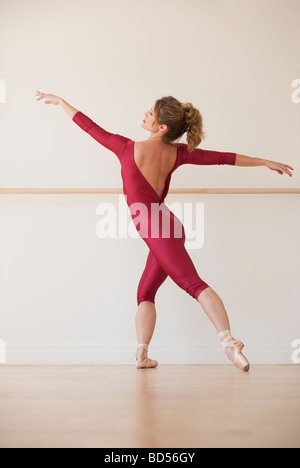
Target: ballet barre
point(77, 191)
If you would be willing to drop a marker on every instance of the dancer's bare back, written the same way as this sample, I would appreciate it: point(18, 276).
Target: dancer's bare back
point(155, 160)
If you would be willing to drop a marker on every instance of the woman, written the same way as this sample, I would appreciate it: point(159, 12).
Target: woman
point(147, 167)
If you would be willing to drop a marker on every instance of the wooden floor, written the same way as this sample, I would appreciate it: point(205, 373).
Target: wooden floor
point(167, 407)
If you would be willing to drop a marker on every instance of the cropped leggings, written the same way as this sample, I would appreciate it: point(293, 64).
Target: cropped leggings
point(168, 257)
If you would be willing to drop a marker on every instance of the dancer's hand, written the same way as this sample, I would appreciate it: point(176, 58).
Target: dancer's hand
point(51, 98)
point(279, 167)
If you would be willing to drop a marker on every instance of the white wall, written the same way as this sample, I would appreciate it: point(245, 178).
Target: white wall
point(67, 296)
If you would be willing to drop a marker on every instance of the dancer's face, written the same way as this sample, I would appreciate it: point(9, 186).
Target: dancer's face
point(149, 120)
point(151, 125)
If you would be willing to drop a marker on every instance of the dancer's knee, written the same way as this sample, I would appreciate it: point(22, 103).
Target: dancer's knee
point(142, 297)
point(203, 287)
point(205, 293)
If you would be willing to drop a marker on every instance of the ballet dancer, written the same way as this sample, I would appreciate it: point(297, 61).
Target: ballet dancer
point(146, 170)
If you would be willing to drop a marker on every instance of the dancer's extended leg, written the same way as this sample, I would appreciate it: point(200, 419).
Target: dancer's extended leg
point(214, 308)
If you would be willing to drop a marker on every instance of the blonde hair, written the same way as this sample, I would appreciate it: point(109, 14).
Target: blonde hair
point(179, 118)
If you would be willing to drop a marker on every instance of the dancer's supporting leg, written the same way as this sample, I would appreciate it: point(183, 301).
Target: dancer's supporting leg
point(151, 279)
point(145, 323)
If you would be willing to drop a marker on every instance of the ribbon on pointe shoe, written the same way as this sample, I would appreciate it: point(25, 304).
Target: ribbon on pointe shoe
point(145, 362)
point(229, 341)
point(142, 345)
point(235, 355)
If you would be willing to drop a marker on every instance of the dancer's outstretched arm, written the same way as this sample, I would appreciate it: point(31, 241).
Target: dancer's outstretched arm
point(242, 160)
point(56, 100)
point(112, 141)
point(209, 157)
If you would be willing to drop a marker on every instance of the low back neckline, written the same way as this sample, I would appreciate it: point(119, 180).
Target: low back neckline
point(146, 181)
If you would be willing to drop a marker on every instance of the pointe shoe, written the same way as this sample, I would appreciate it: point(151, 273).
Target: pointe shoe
point(233, 350)
point(143, 361)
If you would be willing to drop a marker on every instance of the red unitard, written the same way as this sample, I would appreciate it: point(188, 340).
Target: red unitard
point(167, 253)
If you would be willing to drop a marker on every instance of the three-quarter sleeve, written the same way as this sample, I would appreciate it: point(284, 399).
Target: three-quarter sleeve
point(206, 157)
point(112, 141)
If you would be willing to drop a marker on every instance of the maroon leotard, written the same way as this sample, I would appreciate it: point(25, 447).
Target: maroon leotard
point(167, 253)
